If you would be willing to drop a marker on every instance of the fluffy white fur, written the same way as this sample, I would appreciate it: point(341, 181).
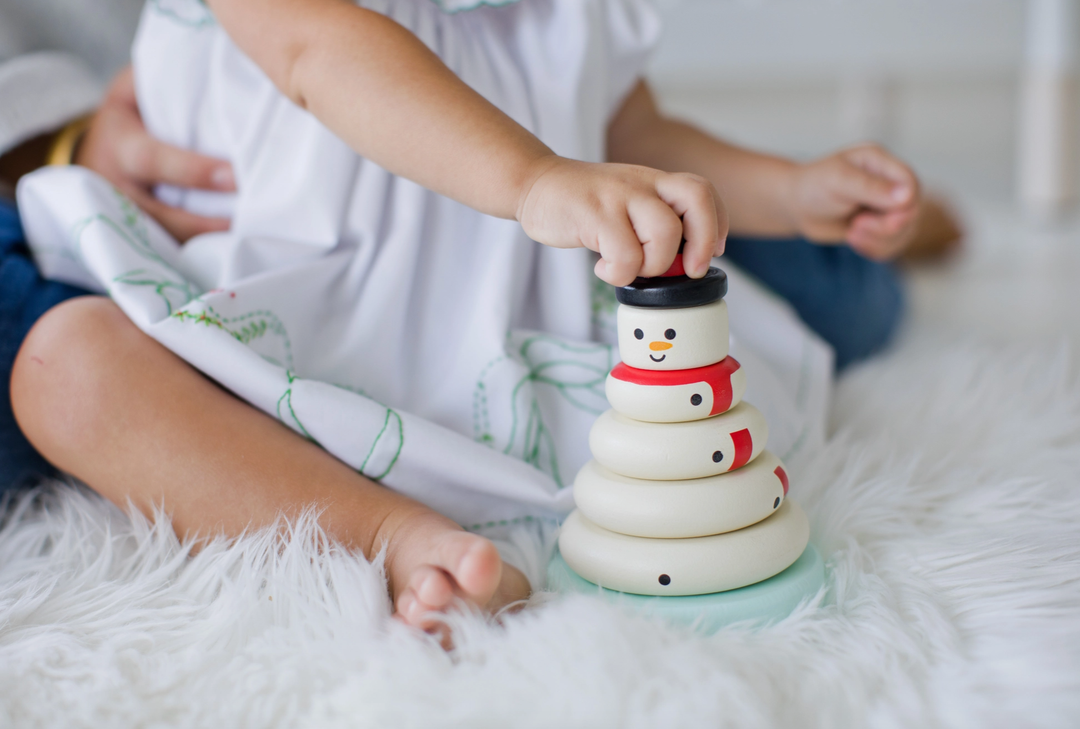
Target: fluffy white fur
point(946, 504)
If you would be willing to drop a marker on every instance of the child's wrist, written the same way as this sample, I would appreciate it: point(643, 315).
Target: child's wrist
point(787, 186)
point(536, 169)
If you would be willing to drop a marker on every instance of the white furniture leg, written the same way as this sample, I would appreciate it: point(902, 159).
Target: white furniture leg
point(1047, 164)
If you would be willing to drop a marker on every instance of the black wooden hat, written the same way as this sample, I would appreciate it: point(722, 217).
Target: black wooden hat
point(674, 292)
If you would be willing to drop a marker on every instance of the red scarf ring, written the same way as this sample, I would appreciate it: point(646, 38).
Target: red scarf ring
point(717, 376)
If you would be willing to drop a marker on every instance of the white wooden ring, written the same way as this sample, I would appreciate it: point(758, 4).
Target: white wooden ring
point(696, 566)
point(681, 509)
point(679, 451)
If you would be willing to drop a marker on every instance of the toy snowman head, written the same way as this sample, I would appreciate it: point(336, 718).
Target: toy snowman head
point(673, 322)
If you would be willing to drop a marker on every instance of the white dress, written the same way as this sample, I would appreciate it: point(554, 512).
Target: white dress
point(428, 346)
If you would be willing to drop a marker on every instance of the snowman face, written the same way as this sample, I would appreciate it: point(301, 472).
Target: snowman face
point(673, 339)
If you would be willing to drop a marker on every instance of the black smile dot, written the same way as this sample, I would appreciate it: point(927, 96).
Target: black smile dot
point(665, 580)
point(639, 334)
point(776, 503)
point(717, 457)
point(669, 334)
point(695, 399)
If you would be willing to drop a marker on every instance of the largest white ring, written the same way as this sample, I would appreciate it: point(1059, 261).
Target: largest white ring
point(681, 509)
point(696, 566)
point(678, 451)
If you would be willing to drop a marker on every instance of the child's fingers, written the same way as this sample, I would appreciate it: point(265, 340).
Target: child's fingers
point(903, 184)
point(865, 189)
point(620, 251)
point(879, 161)
point(146, 160)
point(180, 223)
point(882, 224)
point(660, 232)
point(880, 236)
point(704, 219)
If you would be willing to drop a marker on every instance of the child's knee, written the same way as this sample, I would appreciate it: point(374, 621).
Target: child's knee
point(61, 377)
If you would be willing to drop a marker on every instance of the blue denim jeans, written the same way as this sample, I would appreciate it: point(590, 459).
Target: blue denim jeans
point(24, 297)
point(851, 302)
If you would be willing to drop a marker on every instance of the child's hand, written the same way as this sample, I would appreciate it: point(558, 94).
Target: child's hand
point(862, 195)
point(634, 217)
point(118, 147)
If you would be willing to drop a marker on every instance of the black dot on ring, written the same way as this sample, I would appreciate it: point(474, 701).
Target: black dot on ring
point(695, 399)
point(776, 503)
point(665, 580)
point(717, 457)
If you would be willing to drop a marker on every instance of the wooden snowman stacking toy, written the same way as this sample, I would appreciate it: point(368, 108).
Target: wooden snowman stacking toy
point(682, 497)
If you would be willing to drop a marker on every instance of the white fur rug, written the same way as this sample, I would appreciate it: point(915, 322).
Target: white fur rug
point(947, 504)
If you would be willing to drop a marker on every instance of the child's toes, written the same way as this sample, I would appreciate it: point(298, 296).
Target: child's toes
point(433, 587)
point(429, 590)
point(474, 563)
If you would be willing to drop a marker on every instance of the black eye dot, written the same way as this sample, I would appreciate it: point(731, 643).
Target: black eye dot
point(639, 334)
point(776, 503)
point(695, 399)
point(669, 334)
point(717, 457)
point(665, 580)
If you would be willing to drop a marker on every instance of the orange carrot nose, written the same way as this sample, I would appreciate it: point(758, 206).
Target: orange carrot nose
point(660, 346)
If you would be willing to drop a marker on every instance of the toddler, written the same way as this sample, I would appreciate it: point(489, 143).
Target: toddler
point(380, 292)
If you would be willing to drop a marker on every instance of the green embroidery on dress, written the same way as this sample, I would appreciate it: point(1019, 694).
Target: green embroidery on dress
point(132, 230)
point(162, 287)
point(392, 427)
point(175, 291)
point(552, 363)
point(391, 437)
point(245, 328)
point(481, 414)
point(286, 398)
point(354, 390)
point(190, 13)
point(249, 328)
point(510, 522)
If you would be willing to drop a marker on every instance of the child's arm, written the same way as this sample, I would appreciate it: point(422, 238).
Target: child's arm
point(862, 195)
point(391, 99)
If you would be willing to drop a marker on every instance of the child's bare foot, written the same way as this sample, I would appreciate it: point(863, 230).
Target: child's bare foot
point(938, 232)
point(430, 561)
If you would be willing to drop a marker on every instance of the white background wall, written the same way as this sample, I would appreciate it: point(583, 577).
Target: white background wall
point(784, 38)
point(934, 80)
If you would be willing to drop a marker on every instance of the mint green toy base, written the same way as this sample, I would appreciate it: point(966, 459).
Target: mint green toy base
point(765, 602)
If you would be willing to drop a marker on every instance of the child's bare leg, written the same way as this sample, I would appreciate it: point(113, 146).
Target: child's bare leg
point(106, 403)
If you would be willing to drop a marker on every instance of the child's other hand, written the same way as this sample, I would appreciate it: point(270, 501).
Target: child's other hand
point(862, 195)
point(634, 217)
point(119, 148)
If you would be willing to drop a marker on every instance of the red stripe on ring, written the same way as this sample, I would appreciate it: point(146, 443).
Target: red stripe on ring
point(744, 447)
point(782, 475)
